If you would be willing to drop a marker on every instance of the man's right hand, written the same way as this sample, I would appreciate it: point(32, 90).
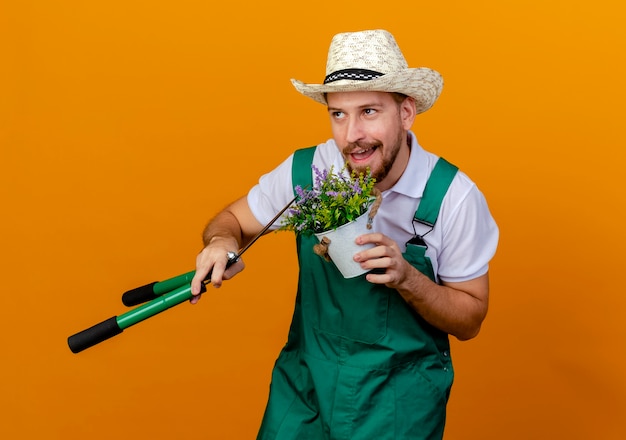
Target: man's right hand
point(214, 257)
point(227, 232)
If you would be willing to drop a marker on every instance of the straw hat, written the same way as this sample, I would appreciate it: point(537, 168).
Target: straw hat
point(372, 61)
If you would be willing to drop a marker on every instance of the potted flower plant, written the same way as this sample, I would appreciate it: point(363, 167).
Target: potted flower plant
point(338, 204)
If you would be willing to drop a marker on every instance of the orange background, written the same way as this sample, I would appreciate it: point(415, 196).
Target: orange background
point(125, 125)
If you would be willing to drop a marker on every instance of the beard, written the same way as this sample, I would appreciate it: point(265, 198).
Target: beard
point(389, 154)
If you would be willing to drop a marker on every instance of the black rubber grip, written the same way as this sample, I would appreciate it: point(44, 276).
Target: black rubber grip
point(139, 295)
point(94, 335)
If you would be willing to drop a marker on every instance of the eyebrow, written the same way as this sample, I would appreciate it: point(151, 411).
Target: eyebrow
point(361, 107)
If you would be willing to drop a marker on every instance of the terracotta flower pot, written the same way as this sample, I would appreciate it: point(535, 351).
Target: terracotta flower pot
point(342, 246)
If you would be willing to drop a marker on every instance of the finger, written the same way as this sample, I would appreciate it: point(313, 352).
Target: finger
point(234, 269)
point(220, 272)
point(375, 238)
point(372, 254)
point(382, 264)
point(196, 281)
point(217, 275)
point(377, 277)
point(202, 269)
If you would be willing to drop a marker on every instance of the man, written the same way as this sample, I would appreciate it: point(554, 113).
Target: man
point(368, 357)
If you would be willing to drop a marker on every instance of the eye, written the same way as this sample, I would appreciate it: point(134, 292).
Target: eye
point(337, 115)
point(369, 111)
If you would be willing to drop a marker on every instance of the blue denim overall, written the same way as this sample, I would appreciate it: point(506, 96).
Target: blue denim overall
point(359, 363)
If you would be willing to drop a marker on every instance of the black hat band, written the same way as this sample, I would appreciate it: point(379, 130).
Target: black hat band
point(354, 74)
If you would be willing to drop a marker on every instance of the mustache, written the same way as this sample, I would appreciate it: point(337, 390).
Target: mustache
point(360, 145)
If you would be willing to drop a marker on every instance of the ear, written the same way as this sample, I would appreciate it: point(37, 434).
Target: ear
point(408, 112)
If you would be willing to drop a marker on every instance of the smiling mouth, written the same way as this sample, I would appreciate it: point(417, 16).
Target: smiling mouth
point(362, 154)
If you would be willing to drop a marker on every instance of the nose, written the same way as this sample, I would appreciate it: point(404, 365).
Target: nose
point(354, 130)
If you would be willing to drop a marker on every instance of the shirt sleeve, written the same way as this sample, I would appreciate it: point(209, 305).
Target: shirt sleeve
point(469, 237)
point(272, 193)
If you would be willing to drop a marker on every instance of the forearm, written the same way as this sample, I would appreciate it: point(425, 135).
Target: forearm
point(223, 226)
point(235, 222)
point(456, 308)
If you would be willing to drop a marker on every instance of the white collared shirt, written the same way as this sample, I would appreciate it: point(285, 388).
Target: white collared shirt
point(459, 246)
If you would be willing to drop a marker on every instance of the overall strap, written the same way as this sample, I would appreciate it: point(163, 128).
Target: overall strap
point(436, 188)
point(301, 173)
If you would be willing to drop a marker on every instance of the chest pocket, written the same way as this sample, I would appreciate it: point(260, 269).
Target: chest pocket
point(349, 308)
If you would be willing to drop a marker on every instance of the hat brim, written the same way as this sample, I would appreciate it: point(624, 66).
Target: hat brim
point(422, 84)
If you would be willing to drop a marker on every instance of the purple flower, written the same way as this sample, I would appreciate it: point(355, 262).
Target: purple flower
point(299, 191)
point(333, 200)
